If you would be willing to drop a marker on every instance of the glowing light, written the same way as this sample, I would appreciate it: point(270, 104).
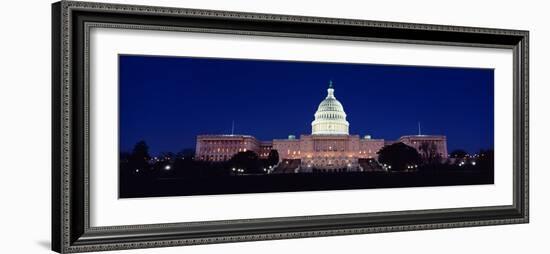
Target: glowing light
point(167, 167)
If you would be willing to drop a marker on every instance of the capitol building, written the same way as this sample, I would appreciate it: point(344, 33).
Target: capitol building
point(329, 147)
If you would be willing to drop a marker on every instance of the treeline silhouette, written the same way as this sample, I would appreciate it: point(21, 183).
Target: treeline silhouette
point(395, 157)
point(140, 164)
point(173, 174)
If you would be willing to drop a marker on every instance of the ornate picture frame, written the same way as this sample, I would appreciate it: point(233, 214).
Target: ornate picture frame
point(71, 229)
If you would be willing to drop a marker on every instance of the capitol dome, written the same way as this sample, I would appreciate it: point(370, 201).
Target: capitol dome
point(330, 118)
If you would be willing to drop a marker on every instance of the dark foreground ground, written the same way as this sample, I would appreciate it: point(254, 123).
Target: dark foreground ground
point(161, 187)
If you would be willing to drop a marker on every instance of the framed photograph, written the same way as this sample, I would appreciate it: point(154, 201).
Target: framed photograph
point(182, 126)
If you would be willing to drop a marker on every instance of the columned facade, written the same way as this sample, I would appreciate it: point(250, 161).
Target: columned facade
point(328, 152)
point(223, 147)
point(330, 147)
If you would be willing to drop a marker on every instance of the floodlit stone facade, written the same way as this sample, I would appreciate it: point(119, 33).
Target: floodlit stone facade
point(330, 147)
point(427, 145)
point(223, 147)
point(328, 152)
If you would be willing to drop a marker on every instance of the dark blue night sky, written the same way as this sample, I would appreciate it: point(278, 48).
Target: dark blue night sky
point(168, 101)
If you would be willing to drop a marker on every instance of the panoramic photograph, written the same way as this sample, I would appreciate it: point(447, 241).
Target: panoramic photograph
point(206, 126)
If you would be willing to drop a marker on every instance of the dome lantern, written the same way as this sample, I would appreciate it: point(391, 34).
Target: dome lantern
point(330, 90)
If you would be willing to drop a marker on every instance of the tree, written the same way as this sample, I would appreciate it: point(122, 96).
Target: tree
point(139, 158)
point(486, 162)
point(248, 161)
point(167, 156)
point(141, 150)
point(273, 158)
point(429, 152)
point(135, 163)
point(458, 154)
point(186, 154)
point(184, 163)
point(399, 156)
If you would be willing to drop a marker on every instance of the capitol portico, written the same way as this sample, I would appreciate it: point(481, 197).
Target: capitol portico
point(329, 147)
